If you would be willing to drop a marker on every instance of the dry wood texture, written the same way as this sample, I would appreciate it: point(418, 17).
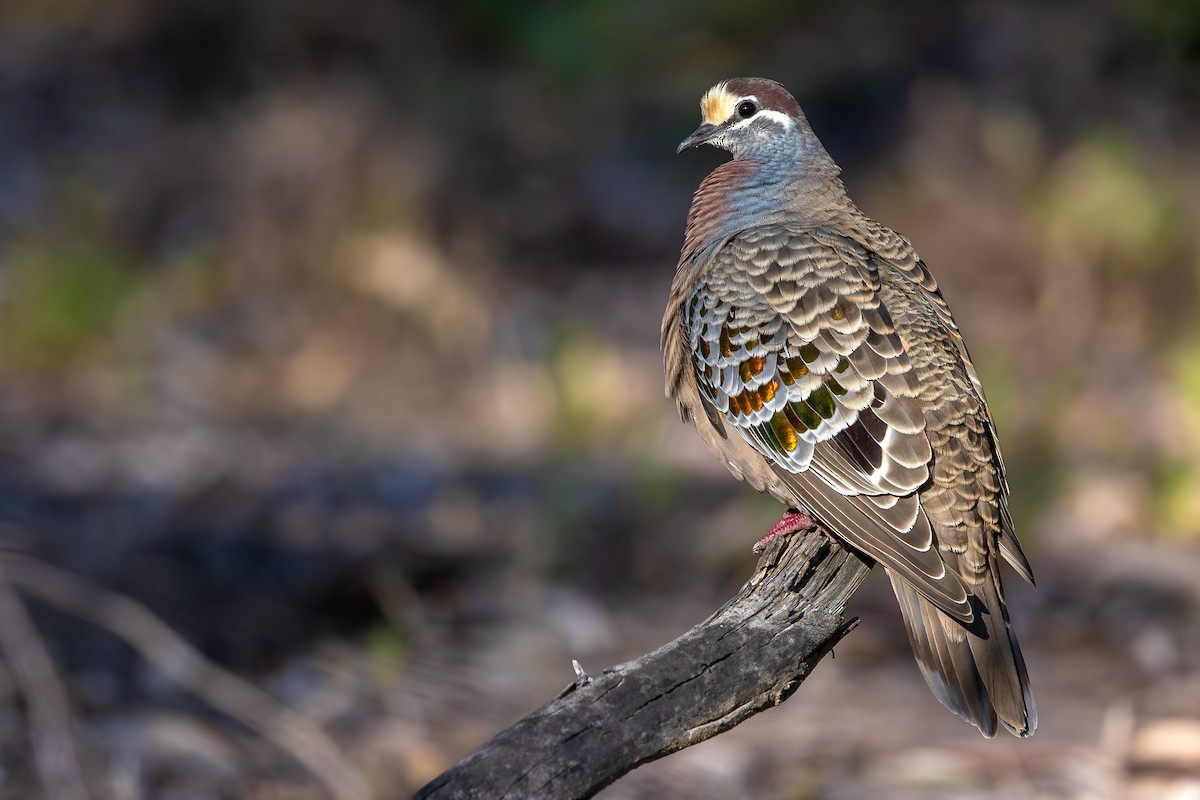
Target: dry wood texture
point(751, 654)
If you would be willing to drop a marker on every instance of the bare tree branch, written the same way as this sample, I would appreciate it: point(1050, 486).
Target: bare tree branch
point(166, 650)
point(751, 654)
point(50, 730)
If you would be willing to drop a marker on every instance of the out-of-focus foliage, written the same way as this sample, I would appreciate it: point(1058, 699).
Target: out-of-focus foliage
point(330, 332)
point(1102, 204)
point(63, 294)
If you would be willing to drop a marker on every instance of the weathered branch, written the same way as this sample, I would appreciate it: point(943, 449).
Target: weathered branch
point(51, 733)
point(178, 660)
point(751, 654)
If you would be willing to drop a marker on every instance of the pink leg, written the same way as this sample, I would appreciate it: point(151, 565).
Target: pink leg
point(791, 522)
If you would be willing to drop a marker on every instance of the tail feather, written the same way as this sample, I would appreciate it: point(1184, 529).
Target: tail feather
point(977, 672)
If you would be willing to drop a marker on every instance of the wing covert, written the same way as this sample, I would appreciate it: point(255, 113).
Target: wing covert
point(793, 348)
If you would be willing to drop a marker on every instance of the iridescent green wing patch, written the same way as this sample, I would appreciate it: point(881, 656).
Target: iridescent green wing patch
point(811, 366)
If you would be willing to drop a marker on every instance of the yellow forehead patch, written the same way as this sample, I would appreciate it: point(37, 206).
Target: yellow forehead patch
point(717, 104)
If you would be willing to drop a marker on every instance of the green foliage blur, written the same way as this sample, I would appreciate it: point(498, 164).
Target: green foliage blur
point(285, 214)
point(274, 247)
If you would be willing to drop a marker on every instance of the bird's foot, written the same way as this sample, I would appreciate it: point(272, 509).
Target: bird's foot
point(791, 522)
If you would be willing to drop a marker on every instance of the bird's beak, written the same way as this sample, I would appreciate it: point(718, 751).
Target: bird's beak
point(699, 136)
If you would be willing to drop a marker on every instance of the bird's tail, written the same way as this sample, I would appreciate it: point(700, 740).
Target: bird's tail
point(977, 672)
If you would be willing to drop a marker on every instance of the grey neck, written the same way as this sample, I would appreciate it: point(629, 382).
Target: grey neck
point(811, 196)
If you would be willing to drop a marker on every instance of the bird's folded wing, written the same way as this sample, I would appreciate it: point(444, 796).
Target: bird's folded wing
point(793, 347)
point(905, 262)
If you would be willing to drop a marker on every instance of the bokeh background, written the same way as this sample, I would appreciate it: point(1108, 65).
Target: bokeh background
point(328, 347)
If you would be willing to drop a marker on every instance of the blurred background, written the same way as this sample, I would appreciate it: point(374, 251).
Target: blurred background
point(329, 348)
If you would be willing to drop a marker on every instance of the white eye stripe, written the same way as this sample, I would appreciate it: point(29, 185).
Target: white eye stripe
point(778, 117)
point(738, 104)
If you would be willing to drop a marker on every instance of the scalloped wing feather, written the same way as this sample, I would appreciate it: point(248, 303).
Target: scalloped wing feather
point(790, 337)
point(798, 354)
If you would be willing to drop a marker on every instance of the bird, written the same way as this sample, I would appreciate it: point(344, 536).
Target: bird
point(814, 352)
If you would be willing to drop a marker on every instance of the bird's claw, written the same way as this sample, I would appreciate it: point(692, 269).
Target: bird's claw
point(791, 522)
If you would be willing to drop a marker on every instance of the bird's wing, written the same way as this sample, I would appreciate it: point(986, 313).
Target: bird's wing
point(794, 347)
point(904, 261)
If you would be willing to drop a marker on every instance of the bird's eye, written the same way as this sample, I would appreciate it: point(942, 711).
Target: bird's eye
point(747, 109)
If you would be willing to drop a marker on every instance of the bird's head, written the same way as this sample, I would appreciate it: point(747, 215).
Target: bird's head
point(752, 117)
